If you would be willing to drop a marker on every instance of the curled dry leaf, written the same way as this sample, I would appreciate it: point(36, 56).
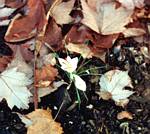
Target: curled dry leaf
point(25, 27)
point(43, 123)
point(60, 11)
point(107, 19)
point(123, 115)
point(47, 72)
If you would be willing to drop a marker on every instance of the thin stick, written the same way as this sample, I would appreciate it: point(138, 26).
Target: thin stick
point(59, 110)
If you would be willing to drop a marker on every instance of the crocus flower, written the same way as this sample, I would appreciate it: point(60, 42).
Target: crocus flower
point(70, 65)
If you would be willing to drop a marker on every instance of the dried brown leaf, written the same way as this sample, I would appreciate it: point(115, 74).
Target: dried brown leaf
point(25, 27)
point(43, 123)
point(123, 115)
point(53, 35)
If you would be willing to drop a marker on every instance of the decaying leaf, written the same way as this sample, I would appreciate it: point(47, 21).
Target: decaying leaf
point(107, 19)
point(47, 72)
point(25, 27)
point(123, 115)
point(60, 11)
point(43, 123)
point(14, 88)
point(112, 83)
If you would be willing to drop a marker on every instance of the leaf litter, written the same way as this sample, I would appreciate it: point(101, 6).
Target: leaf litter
point(87, 61)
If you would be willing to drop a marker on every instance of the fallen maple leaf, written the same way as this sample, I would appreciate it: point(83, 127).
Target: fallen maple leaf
point(25, 27)
point(60, 11)
point(112, 85)
point(107, 19)
point(43, 123)
point(14, 88)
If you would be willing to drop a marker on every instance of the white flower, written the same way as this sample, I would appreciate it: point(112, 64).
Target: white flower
point(69, 64)
point(113, 83)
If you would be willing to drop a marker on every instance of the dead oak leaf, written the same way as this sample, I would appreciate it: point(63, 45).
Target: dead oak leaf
point(107, 19)
point(43, 123)
point(47, 72)
point(60, 11)
point(25, 27)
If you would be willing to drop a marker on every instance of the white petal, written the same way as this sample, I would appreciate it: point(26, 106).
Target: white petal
point(79, 83)
point(73, 62)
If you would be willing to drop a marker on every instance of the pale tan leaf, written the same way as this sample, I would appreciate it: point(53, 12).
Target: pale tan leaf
point(61, 10)
point(82, 49)
point(107, 19)
point(43, 123)
point(90, 17)
point(130, 32)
